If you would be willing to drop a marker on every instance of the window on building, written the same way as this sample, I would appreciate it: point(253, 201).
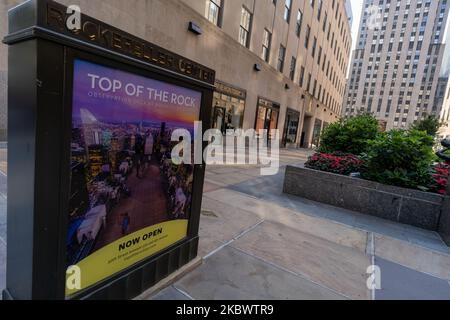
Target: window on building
point(313, 53)
point(244, 30)
point(308, 33)
point(319, 10)
point(302, 77)
point(281, 57)
point(292, 68)
point(267, 41)
point(298, 28)
point(214, 11)
point(287, 10)
point(308, 84)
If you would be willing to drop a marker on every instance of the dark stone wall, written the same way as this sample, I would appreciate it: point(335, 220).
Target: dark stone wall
point(416, 208)
point(444, 226)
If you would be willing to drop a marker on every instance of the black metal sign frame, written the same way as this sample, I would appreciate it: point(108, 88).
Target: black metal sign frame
point(41, 56)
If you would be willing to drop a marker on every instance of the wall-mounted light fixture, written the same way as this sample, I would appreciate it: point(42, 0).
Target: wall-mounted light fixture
point(286, 86)
point(195, 28)
point(257, 67)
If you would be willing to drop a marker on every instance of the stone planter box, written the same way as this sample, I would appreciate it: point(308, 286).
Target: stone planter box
point(420, 209)
point(444, 224)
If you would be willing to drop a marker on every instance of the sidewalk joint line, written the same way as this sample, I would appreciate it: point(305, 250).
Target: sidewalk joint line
point(243, 233)
point(217, 250)
point(372, 251)
point(184, 293)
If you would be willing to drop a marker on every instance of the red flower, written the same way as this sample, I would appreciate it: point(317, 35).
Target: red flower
point(335, 163)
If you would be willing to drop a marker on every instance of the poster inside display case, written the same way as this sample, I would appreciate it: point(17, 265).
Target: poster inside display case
point(128, 201)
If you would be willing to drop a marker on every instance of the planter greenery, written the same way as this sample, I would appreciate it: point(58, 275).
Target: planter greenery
point(350, 136)
point(430, 125)
point(401, 158)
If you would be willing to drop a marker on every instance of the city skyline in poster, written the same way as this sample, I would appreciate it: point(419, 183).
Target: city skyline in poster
point(123, 182)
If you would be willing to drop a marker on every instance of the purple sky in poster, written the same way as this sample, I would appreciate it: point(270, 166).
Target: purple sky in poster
point(156, 101)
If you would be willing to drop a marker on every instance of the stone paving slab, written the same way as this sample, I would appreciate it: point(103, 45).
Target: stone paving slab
point(223, 169)
point(3, 167)
point(400, 283)
point(263, 210)
point(223, 222)
point(2, 265)
point(3, 233)
point(3, 160)
point(233, 275)
point(210, 186)
point(207, 245)
point(335, 266)
point(170, 293)
point(414, 257)
point(229, 179)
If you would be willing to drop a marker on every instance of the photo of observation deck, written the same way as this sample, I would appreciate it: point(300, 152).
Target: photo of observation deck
point(122, 176)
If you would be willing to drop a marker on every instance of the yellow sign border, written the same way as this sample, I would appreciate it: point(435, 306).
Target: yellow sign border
point(124, 253)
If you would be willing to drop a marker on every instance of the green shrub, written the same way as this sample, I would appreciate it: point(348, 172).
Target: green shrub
point(401, 158)
point(430, 125)
point(350, 136)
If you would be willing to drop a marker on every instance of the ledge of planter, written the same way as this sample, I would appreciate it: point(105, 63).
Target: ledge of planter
point(444, 225)
point(412, 207)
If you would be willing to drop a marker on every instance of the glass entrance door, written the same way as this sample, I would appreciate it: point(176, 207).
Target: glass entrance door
point(219, 118)
point(291, 127)
point(267, 119)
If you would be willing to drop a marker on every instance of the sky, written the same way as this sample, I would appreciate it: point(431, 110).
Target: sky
point(356, 8)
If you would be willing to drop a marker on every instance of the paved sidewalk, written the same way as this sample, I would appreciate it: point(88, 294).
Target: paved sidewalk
point(259, 244)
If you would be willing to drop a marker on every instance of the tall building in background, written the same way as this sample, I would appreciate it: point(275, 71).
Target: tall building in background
point(280, 64)
point(400, 67)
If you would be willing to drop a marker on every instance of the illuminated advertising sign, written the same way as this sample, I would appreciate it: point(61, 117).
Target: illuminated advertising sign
point(128, 201)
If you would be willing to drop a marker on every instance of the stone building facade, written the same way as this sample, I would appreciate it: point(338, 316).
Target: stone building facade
point(280, 64)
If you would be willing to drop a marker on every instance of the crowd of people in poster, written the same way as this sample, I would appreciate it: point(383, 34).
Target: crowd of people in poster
point(122, 175)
